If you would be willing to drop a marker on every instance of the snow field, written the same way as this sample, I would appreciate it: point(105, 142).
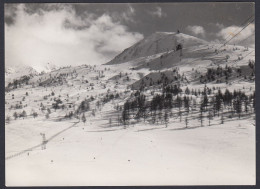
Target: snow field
point(138, 155)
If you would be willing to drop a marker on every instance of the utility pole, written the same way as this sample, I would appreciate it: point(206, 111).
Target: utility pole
point(44, 141)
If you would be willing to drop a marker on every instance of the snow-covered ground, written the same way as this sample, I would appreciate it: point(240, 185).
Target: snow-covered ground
point(103, 153)
point(138, 155)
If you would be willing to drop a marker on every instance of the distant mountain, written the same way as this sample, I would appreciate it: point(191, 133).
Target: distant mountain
point(15, 72)
point(20, 70)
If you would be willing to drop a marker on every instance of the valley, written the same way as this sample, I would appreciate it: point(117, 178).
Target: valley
point(185, 113)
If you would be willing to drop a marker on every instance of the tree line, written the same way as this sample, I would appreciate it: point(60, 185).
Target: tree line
point(171, 103)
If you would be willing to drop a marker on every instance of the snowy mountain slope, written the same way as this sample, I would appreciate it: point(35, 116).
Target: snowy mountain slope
point(19, 70)
point(16, 72)
point(158, 52)
point(156, 43)
point(49, 67)
point(168, 136)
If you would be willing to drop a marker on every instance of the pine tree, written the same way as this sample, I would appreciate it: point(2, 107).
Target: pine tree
point(218, 103)
point(159, 116)
point(144, 113)
point(93, 113)
point(24, 114)
point(205, 101)
point(7, 119)
point(254, 101)
point(83, 118)
point(125, 117)
point(179, 105)
point(194, 103)
point(209, 117)
point(15, 115)
point(187, 91)
point(110, 122)
point(186, 122)
point(237, 105)
point(35, 114)
point(187, 103)
point(246, 105)
point(201, 115)
point(118, 119)
point(222, 119)
point(166, 118)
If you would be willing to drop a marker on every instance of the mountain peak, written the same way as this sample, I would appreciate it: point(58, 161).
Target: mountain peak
point(156, 43)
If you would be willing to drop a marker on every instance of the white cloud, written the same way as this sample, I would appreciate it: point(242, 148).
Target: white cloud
point(196, 30)
point(246, 36)
point(158, 12)
point(220, 26)
point(62, 38)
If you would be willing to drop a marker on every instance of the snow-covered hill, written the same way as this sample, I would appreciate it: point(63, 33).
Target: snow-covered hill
point(159, 52)
point(15, 72)
point(19, 70)
point(156, 43)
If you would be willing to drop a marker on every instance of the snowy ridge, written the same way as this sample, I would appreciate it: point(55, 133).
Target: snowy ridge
point(20, 70)
point(158, 42)
point(16, 72)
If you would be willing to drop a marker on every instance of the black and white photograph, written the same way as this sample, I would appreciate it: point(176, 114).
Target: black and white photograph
point(130, 94)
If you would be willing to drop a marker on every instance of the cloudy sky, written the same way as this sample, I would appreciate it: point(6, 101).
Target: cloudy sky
point(74, 34)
